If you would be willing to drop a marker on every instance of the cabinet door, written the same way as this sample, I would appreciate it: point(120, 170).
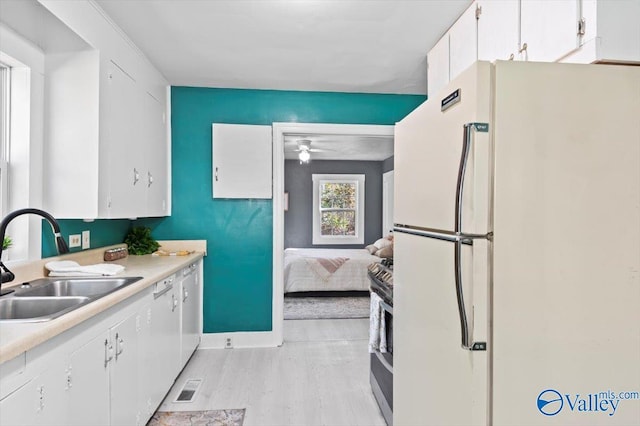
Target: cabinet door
point(242, 161)
point(120, 147)
point(549, 29)
point(42, 401)
point(438, 66)
point(165, 339)
point(145, 369)
point(498, 31)
point(155, 171)
point(191, 307)
point(89, 385)
point(124, 373)
point(463, 42)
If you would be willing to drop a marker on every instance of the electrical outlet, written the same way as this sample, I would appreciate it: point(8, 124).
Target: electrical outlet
point(74, 241)
point(86, 240)
point(228, 343)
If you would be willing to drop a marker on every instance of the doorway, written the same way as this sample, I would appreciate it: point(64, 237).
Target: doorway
point(282, 132)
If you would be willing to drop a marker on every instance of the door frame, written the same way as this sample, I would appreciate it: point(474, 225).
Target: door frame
point(280, 130)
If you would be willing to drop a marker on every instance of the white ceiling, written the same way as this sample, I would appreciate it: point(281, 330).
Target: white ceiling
point(369, 46)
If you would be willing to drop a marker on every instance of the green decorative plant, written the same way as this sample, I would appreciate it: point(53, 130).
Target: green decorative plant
point(8, 242)
point(140, 241)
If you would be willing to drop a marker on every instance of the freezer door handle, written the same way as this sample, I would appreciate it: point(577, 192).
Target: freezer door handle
point(466, 332)
point(464, 158)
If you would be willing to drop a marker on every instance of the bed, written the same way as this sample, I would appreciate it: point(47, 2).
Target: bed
point(326, 269)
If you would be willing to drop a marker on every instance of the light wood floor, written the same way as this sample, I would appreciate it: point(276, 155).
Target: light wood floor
point(319, 376)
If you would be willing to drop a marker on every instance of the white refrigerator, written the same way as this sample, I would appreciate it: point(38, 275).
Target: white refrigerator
point(517, 249)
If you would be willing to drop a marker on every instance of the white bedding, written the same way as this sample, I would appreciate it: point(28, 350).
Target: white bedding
point(326, 269)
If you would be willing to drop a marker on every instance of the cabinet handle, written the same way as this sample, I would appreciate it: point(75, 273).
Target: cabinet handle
point(149, 179)
point(119, 346)
point(108, 353)
point(174, 303)
point(185, 294)
point(511, 57)
point(216, 174)
point(69, 381)
point(136, 176)
point(523, 48)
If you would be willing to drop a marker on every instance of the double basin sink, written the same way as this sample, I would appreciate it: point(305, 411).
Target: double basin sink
point(47, 298)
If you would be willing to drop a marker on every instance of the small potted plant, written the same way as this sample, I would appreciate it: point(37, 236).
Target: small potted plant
point(140, 241)
point(6, 243)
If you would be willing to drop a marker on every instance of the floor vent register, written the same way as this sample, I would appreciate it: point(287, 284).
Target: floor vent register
point(189, 390)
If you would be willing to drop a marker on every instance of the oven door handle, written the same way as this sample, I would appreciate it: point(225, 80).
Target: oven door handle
point(384, 362)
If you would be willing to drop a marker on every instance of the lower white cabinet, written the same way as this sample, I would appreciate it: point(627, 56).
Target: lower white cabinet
point(89, 387)
point(41, 401)
point(114, 369)
point(191, 311)
point(165, 337)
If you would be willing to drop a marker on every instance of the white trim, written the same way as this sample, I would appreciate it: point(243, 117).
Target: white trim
point(243, 339)
point(279, 131)
point(27, 138)
point(317, 237)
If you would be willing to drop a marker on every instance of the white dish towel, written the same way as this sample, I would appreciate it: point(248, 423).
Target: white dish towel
point(69, 268)
point(377, 325)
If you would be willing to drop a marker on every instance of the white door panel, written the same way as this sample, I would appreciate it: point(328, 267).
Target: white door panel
point(427, 155)
point(429, 364)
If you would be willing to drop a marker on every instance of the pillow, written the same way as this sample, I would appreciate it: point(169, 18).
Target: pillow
point(386, 252)
point(371, 248)
point(382, 243)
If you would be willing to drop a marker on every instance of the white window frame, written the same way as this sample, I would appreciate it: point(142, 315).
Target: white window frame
point(26, 144)
point(5, 116)
point(317, 237)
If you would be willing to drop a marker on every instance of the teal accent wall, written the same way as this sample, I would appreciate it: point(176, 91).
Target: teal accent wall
point(238, 268)
point(103, 233)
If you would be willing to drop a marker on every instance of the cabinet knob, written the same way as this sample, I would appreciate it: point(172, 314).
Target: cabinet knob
point(136, 176)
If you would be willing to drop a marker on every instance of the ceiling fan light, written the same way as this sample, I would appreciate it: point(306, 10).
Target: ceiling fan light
point(304, 156)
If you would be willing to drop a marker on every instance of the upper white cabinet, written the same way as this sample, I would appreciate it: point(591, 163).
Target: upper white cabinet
point(106, 131)
point(241, 161)
point(610, 32)
point(581, 31)
point(463, 42)
point(548, 29)
point(498, 29)
point(438, 66)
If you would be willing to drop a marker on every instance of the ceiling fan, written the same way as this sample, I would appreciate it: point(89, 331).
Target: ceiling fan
point(304, 150)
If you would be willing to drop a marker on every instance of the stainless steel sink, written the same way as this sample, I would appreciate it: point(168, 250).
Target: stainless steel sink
point(48, 298)
point(86, 287)
point(34, 309)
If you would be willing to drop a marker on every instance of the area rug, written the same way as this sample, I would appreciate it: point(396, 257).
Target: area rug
point(198, 418)
point(328, 307)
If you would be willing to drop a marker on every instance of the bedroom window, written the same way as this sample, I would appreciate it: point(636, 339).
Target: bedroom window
point(338, 209)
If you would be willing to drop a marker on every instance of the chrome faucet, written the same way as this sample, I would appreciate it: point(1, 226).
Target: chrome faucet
point(61, 245)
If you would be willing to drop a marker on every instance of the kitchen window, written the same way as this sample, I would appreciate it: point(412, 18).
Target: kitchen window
point(338, 209)
point(22, 145)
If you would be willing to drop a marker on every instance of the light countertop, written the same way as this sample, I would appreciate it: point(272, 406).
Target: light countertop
point(16, 338)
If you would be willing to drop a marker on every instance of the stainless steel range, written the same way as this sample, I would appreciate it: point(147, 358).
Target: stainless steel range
point(381, 376)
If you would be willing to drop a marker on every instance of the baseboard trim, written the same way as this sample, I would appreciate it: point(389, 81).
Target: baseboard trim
point(241, 339)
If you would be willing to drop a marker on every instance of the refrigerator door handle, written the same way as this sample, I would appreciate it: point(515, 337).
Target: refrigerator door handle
point(466, 332)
